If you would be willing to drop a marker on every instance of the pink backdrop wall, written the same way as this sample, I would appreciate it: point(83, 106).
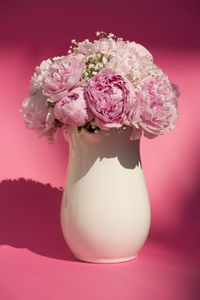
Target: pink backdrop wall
point(29, 211)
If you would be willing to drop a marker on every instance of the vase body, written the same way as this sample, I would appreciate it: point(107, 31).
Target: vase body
point(105, 211)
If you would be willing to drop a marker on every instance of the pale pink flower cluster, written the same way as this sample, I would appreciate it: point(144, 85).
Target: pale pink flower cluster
point(55, 97)
point(100, 85)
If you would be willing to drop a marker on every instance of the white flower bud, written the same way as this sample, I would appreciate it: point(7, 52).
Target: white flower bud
point(104, 60)
point(127, 123)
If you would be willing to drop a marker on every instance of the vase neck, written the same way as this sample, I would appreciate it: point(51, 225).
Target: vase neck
point(105, 146)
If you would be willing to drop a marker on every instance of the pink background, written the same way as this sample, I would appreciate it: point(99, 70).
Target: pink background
point(35, 262)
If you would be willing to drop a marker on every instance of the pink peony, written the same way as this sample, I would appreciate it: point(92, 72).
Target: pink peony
point(132, 60)
point(73, 108)
point(108, 45)
point(38, 116)
point(63, 75)
point(39, 74)
point(101, 45)
point(110, 97)
point(156, 108)
point(176, 90)
point(85, 48)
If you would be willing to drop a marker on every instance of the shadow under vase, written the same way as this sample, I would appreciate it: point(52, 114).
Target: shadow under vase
point(30, 218)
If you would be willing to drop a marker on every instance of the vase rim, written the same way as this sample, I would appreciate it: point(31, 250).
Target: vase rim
point(71, 130)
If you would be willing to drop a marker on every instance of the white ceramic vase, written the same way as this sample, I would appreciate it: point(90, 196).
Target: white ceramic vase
point(105, 211)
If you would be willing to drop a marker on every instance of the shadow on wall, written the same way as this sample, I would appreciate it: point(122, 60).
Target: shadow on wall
point(30, 218)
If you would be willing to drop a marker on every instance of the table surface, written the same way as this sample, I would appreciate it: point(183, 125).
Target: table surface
point(157, 273)
point(36, 263)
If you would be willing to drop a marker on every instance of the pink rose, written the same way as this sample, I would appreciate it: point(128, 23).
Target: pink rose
point(156, 108)
point(110, 97)
point(63, 75)
point(38, 116)
point(73, 108)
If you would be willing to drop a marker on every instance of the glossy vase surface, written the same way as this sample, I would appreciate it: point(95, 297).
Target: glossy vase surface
point(105, 210)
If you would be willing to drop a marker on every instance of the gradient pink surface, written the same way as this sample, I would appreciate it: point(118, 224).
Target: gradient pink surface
point(35, 262)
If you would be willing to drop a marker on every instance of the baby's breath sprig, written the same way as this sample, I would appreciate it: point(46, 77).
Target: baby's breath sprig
point(77, 44)
point(110, 36)
point(101, 34)
point(71, 50)
point(94, 63)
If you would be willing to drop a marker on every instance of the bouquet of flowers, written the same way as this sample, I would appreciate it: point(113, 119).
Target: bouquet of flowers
point(99, 86)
